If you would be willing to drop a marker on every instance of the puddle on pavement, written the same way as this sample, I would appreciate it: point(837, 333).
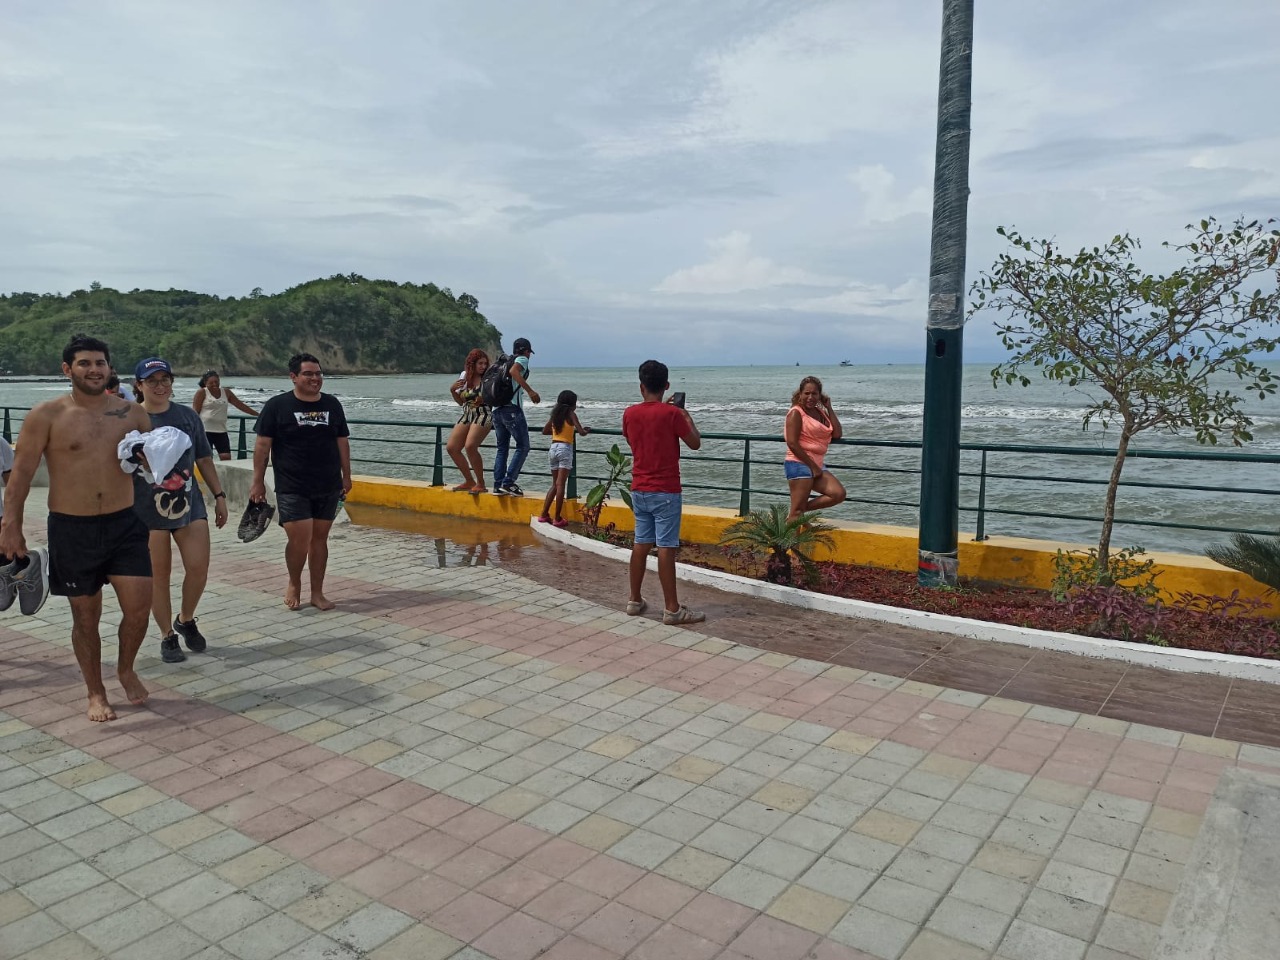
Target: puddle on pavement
point(452, 541)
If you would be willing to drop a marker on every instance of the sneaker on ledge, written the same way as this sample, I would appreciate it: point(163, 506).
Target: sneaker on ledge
point(513, 490)
point(500, 489)
point(191, 634)
point(170, 651)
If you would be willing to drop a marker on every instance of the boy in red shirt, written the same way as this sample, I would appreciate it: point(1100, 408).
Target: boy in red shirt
point(654, 430)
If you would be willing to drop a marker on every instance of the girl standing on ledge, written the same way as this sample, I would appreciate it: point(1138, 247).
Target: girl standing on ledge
point(473, 425)
point(811, 426)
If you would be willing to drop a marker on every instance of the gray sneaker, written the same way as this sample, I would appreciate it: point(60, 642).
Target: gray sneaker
point(681, 616)
point(7, 593)
point(31, 583)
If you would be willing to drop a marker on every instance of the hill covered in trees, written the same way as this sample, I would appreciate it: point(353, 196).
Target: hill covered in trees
point(352, 324)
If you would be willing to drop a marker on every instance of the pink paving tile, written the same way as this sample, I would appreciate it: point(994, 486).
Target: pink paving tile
point(557, 857)
point(343, 857)
point(472, 867)
point(1188, 801)
point(469, 916)
point(274, 823)
point(1189, 779)
point(421, 897)
point(317, 803)
point(275, 747)
point(241, 809)
point(305, 758)
point(365, 781)
point(435, 810)
point(231, 763)
point(1141, 750)
point(767, 938)
point(429, 849)
point(573, 948)
point(305, 841)
point(1189, 759)
point(1129, 787)
point(657, 896)
point(245, 736)
point(914, 736)
point(354, 817)
point(334, 769)
point(518, 937)
point(203, 752)
point(617, 927)
point(514, 840)
point(1138, 769)
point(1039, 728)
point(380, 877)
point(871, 727)
point(473, 824)
point(564, 905)
point(292, 787)
point(400, 795)
point(670, 941)
point(391, 832)
point(605, 875)
point(180, 740)
point(516, 885)
point(136, 757)
point(715, 917)
point(213, 794)
point(1069, 773)
point(1015, 761)
point(187, 779)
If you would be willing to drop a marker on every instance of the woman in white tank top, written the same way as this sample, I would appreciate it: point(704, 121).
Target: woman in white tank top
point(212, 402)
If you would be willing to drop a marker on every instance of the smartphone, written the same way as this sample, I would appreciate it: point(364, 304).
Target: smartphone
point(677, 399)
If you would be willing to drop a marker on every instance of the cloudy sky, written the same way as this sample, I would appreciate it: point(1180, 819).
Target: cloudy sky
point(726, 181)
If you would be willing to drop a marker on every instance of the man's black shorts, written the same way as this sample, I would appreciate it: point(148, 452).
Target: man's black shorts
point(300, 506)
point(85, 551)
point(220, 442)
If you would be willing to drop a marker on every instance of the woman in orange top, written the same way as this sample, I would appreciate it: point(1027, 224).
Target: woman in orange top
point(811, 426)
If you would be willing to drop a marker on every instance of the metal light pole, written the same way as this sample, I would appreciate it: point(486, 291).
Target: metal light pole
point(944, 329)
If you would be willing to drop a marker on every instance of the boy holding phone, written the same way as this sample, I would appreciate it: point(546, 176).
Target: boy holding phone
point(654, 430)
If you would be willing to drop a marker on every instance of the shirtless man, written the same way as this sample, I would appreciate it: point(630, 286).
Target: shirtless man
point(94, 535)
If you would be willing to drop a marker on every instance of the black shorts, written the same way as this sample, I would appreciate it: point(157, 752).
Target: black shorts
point(84, 552)
point(220, 442)
point(301, 506)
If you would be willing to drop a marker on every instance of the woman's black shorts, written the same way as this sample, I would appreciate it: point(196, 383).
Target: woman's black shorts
point(220, 442)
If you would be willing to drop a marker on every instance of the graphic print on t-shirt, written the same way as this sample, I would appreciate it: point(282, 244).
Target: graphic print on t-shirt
point(173, 494)
point(311, 418)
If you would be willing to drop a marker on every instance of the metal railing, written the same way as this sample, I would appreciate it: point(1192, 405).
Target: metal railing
point(725, 469)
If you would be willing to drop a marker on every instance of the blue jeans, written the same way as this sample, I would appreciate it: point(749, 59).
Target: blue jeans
point(508, 424)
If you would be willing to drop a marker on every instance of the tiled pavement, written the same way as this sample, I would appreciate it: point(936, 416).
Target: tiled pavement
point(462, 762)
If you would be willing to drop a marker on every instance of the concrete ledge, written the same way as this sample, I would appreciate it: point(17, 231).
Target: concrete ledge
point(1225, 906)
point(1167, 658)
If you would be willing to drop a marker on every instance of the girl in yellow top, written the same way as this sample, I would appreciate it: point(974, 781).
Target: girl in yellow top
point(562, 426)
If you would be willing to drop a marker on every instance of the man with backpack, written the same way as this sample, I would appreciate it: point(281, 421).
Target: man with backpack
point(503, 389)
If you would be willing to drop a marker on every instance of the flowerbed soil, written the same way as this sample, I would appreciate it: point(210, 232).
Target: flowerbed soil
point(996, 603)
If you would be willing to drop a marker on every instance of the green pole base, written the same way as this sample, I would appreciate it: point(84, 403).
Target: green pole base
point(938, 569)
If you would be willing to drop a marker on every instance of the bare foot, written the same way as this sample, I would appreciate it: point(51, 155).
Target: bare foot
point(321, 602)
point(293, 596)
point(99, 710)
point(464, 487)
point(133, 688)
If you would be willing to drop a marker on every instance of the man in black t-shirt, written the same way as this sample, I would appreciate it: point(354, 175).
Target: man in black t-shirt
point(304, 434)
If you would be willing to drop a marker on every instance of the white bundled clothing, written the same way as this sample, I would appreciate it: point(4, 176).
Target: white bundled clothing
point(162, 448)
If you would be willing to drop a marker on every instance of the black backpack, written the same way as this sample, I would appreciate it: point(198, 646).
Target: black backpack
point(496, 386)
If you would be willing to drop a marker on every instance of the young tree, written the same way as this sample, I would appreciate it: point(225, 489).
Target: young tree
point(1150, 344)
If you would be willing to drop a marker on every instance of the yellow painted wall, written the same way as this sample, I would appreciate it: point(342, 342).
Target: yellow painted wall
point(1009, 560)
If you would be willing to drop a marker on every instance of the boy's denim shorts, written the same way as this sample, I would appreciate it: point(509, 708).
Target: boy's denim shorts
point(657, 518)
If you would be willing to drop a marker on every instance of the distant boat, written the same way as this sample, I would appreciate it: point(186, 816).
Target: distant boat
point(846, 363)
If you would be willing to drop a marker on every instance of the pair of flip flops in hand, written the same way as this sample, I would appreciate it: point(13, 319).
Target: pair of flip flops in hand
point(256, 519)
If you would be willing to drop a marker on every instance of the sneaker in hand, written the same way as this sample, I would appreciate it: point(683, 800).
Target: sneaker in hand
point(31, 582)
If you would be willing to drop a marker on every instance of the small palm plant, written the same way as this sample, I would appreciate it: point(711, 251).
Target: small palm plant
point(782, 539)
point(1258, 557)
point(619, 476)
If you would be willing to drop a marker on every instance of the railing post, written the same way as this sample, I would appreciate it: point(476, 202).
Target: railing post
point(242, 448)
point(981, 533)
point(8, 427)
point(744, 501)
point(437, 468)
point(571, 488)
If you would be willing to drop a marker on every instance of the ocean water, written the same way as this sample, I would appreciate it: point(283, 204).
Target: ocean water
point(874, 403)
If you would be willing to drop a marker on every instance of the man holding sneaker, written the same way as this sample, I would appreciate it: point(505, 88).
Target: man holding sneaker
point(174, 511)
point(509, 423)
point(95, 538)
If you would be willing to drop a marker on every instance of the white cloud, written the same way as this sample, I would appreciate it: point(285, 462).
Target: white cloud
point(733, 268)
point(882, 203)
point(871, 300)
